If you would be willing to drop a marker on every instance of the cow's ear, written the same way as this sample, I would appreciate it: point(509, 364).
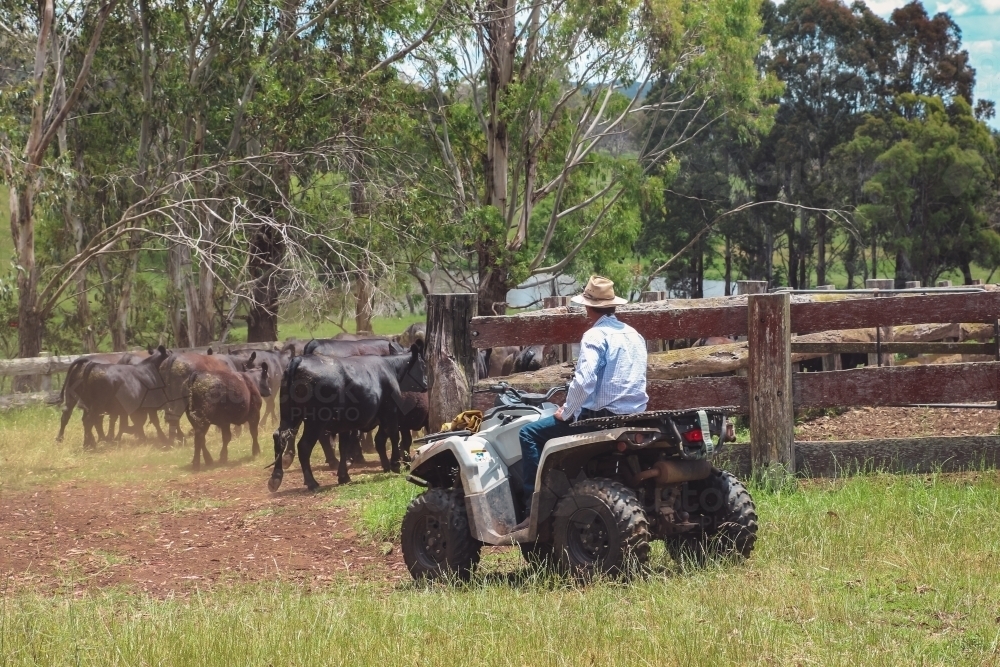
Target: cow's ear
point(160, 349)
point(210, 351)
point(253, 355)
point(417, 348)
point(263, 369)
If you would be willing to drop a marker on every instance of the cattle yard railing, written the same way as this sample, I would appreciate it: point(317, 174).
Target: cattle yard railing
point(770, 393)
point(50, 368)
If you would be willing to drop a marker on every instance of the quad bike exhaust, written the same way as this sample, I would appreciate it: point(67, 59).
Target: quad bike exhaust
point(675, 471)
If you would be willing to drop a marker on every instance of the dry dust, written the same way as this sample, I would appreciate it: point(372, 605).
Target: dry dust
point(220, 526)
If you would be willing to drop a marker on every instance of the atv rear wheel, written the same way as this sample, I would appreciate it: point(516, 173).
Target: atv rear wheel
point(435, 538)
point(600, 527)
point(722, 504)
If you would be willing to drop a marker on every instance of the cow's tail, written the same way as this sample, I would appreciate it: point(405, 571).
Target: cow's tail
point(71, 373)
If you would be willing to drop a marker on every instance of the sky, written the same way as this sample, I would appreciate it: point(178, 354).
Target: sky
point(980, 24)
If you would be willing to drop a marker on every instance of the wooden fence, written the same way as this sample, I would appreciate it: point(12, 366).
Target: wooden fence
point(770, 392)
point(51, 367)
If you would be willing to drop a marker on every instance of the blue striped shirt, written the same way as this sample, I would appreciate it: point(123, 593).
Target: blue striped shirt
point(610, 371)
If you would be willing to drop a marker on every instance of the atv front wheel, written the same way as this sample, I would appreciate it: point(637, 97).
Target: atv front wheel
point(600, 527)
point(435, 539)
point(723, 506)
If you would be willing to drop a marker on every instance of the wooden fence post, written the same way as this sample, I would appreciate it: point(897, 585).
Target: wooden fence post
point(884, 333)
point(772, 419)
point(831, 362)
point(451, 359)
point(565, 351)
point(943, 283)
point(751, 286)
point(649, 297)
point(912, 284)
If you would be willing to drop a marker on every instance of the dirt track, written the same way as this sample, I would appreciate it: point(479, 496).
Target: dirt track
point(220, 526)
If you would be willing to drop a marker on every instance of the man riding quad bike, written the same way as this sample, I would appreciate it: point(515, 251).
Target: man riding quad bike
point(585, 485)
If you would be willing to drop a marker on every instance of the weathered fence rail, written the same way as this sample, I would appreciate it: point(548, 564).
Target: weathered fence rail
point(771, 392)
point(60, 364)
point(727, 316)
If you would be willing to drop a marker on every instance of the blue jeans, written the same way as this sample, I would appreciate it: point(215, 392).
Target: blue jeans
point(533, 437)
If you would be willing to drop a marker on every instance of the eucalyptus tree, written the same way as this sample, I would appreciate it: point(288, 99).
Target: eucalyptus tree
point(536, 108)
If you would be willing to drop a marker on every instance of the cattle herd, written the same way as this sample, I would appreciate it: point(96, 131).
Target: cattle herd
point(335, 389)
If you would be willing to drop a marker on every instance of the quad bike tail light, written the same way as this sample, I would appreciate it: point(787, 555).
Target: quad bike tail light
point(694, 435)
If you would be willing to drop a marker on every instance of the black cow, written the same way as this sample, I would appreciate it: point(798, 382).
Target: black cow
point(534, 357)
point(224, 398)
point(121, 390)
point(68, 395)
point(331, 347)
point(341, 396)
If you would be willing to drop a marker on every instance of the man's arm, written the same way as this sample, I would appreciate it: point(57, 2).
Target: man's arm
point(584, 377)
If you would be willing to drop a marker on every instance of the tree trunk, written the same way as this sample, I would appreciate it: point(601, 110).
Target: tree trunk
point(821, 250)
point(967, 272)
point(30, 326)
point(119, 328)
point(266, 251)
point(850, 260)
point(793, 258)
point(729, 266)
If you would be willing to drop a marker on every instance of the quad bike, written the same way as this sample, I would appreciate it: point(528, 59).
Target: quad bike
point(600, 496)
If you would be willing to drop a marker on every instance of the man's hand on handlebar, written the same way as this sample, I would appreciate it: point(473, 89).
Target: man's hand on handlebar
point(559, 414)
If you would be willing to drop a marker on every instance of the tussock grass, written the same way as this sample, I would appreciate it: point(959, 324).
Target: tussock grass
point(871, 570)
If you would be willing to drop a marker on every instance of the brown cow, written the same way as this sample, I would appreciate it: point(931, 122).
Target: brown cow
point(176, 370)
point(224, 398)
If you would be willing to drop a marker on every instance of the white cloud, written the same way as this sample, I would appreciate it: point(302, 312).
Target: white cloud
point(991, 6)
point(983, 46)
point(953, 7)
point(885, 7)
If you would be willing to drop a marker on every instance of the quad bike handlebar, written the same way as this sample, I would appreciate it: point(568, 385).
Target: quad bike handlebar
point(511, 396)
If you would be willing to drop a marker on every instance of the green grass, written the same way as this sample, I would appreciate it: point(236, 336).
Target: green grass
point(877, 570)
point(380, 501)
point(873, 570)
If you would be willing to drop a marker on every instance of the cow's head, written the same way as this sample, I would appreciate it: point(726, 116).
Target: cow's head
point(259, 374)
point(156, 357)
point(414, 377)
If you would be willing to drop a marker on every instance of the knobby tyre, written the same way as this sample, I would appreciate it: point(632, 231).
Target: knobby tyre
point(600, 528)
point(726, 512)
point(436, 540)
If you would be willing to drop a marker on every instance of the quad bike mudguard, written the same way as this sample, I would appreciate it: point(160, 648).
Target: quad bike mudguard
point(489, 499)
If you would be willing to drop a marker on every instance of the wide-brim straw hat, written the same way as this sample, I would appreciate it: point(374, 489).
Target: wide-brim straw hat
point(599, 293)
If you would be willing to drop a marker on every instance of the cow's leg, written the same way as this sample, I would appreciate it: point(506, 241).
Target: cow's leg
point(122, 425)
point(139, 424)
point(277, 473)
point(269, 410)
point(253, 426)
point(310, 434)
point(227, 435)
point(289, 454)
point(66, 414)
point(406, 441)
point(348, 441)
point(155, 418)
point(199, 446)
point(326, 442)
point(88, 430)
point(380, 438)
